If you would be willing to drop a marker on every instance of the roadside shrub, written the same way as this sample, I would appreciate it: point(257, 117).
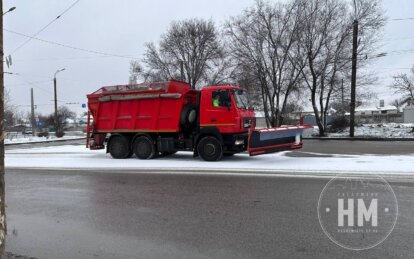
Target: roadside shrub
point(338, 124)
point(43, 134)
point(59, 134)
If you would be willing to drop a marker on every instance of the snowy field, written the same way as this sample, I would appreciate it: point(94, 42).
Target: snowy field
point(380, 130)
point(78, 157)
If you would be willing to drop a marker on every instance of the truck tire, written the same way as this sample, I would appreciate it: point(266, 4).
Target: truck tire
point(118, 147)
point(210, 149)
point(144, 148)
point(188, 117)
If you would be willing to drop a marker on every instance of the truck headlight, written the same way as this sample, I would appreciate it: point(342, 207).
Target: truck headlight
point(239, 142)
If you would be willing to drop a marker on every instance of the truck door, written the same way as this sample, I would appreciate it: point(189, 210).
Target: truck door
point(217, 110)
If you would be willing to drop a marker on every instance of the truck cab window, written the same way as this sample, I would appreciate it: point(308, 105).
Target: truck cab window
point(221, 99)
point(241, 99)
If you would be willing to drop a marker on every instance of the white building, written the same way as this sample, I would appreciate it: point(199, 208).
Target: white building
point(409, 114)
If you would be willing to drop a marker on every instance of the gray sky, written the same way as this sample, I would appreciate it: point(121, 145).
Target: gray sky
point(122, 27)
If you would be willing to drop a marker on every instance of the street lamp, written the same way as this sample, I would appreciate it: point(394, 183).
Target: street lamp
point(10, 10)
point(56, 108)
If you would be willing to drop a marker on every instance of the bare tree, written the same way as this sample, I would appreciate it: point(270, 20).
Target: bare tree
point(404, 84)
point(10, 111)
point(193, 44)
point(326, 46)
point(263, 40)
point(135, 70)
point(398, 103)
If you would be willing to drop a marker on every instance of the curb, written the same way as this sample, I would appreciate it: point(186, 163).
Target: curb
point(359, 139)
point(43, 141)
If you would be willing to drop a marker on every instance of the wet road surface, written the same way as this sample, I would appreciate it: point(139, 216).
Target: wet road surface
point(91, 214)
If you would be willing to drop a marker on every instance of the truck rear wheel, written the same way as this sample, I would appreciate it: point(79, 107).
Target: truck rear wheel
point(144, 148)
point(119, 147)
point(210, 149)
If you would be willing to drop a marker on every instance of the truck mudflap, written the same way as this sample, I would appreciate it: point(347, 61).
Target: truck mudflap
point(270, 140)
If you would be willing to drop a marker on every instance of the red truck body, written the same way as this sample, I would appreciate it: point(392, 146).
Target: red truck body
point(164, 117)
point(153, 107)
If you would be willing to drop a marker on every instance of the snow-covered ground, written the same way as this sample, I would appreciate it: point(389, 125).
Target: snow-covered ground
point(20, 138)
point(78, 157)
point(381, 130)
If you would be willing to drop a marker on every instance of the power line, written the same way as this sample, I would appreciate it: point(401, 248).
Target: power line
point(47, 104)
point(63, 58)
point(402, 19)
point(34, 82)
point(44, 27)
point(35, 85)
point(393, 39)
point(71, 47)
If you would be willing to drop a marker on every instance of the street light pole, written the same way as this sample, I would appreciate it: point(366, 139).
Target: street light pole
point(56, 107)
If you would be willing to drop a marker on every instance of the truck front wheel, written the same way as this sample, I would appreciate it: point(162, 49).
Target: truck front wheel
point(118, 147)
point(144, 148)
point(210, 149)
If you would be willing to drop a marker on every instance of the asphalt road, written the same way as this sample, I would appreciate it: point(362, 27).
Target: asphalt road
point(67, 214)
point(130, 214)
point(310, 146)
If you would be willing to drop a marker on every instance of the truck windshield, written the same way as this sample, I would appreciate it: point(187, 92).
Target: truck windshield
point(241, 99)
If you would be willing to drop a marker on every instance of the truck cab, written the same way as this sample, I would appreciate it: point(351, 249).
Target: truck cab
point(226, 108)
point(224, 112)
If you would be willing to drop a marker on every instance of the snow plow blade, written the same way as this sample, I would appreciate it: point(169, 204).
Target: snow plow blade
point(270, 140)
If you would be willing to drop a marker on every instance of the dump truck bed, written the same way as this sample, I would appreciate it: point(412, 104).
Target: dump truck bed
point(148, 107)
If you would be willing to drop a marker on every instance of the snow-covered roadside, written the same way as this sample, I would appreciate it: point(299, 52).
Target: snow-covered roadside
point(74, 157)
point(380, 130)
point(34, 139)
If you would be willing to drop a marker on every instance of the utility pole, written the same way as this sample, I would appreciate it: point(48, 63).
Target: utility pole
point(353, 79)
point(56, 111)
point(33, 120)
point(342, 94)
point(2, 133)
point(3, 226)
point(56, 107)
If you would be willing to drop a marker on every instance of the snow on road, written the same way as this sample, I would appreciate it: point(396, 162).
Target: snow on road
point(78, 157)
point(34, 139)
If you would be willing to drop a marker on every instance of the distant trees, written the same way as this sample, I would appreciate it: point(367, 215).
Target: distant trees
point(404, 85)
point(135, 70)
point(64, 113)
point(191, 45)
point(264, 43)
point(281, 52)
point(10, 111)
point(326, 46)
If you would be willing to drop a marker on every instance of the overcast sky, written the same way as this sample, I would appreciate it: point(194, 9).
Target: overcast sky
point(122, 28)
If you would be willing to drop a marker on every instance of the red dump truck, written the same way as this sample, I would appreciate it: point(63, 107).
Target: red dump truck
point(161, 118)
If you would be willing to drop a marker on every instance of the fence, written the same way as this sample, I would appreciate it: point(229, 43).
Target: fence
point(380, 118)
